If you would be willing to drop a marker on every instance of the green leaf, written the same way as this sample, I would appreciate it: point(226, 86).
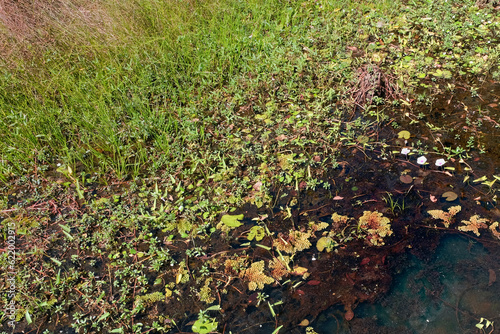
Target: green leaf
point(262, 246)
point(104, 316)
point(65, 228)
point(277, 330)
point(56, 261)
point(489, 183)
point(325, 243)
point(213, 308)
point(257, 232)
point(232, 221)
point(28, 317)
point(481, 179)
point(404, 134)
point(204, 326)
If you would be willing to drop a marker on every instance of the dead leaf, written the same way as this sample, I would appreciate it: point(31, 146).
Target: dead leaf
point(349, 315)
point(313, 282)
point(257, 186)
point(299, 271)
point(406, 179)
point(450, 196)
point(492, 277)
point(281, 137)
point(304, 323)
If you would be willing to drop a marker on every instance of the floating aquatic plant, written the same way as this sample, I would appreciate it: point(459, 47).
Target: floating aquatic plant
point(339, 221)
point(474, 224)
point(325, 243)
point(494, 230)
point(279, 267)
point(446, 217)
point(296, 241)
point(376, 225)
point(255, 274)
point(149, 299)
point(229, 222)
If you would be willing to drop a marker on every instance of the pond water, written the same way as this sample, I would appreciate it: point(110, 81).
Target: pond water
point(446, 293)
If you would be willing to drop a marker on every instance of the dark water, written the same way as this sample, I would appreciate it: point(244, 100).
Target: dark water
point(448, 293)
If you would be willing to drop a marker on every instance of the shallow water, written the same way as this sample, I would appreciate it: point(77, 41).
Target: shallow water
point(447, 293)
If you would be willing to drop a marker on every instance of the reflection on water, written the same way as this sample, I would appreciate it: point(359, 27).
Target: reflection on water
point(447, 294)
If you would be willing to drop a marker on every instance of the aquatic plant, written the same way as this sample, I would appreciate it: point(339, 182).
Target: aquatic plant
point(376, 225)
point(205, 324)
point(446, 217)
point(255, 274)
point(205, 293)
point(235, 266)
point(229, 222)
point(296, 241)
point(279, 267)
point(474, 224)
point(494, 230)
point(149, 299)
point(325, 243)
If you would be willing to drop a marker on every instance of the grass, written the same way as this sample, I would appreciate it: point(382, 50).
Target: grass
point(136, 124)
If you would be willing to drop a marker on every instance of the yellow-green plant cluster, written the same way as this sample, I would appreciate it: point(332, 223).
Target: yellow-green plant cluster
point(445, 216)
point(376, 226)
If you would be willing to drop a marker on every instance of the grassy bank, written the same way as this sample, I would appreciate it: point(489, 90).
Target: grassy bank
point(128, 129)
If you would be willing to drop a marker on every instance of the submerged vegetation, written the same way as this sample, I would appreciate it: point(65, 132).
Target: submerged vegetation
point(215, 166)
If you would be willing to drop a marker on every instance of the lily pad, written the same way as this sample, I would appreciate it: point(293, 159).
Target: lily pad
point(404, 134)
point(406, 179)
point(450, 196)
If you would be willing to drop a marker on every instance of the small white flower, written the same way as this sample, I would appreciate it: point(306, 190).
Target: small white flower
point(440, 162)
point(405, 151)
point(421, 160)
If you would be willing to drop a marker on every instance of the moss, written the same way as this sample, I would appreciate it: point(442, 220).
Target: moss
point(149, 299)
point(205, 293)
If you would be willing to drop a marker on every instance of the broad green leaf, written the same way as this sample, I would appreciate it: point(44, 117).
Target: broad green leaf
point(28, 317)
point(325, 243)
point(257, 232)
point(232, 221)
point(204, 326)
point(404, 134)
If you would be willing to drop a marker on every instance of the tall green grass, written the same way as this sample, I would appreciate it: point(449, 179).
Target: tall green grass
point(122, 98)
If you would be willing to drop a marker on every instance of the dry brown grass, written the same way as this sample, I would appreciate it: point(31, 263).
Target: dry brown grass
point(28, 28)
